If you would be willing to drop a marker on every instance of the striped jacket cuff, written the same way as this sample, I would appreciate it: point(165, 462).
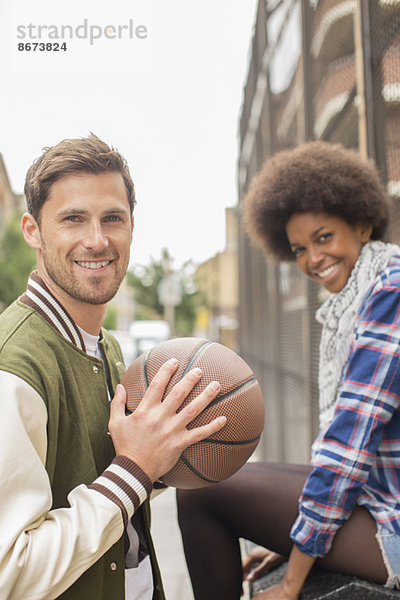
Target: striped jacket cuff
point(125, 484)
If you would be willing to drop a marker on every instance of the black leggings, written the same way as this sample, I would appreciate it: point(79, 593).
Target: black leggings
point(259, 503)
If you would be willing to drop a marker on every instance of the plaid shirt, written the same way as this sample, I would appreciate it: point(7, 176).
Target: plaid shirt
point(358, 457)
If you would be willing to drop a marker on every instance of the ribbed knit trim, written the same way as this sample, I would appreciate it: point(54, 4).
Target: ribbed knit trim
point(39, 297)
point(125, 484)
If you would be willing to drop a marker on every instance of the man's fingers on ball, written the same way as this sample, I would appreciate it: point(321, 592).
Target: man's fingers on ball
point(120, 392)
point(201, 433)
point(117, 406)
point(160, 380)
point(201, 401)
point(181, 389)
point(118, 402)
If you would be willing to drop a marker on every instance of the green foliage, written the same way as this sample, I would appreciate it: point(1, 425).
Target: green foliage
point(17, 260)
point(111, 318)
point(146, 281)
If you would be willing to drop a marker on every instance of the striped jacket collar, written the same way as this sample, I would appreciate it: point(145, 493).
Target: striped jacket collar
point(39, 297)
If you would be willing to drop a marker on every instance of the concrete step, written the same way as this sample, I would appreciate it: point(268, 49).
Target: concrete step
point(321, 585)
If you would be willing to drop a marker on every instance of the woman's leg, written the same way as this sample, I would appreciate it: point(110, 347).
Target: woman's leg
point(355, 549)
point(259, 503)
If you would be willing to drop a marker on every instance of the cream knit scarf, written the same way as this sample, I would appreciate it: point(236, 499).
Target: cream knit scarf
point(338, 317)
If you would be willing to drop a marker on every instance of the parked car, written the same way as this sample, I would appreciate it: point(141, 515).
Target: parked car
point(146, 334)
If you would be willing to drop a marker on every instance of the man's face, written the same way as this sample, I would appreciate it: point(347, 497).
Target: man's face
point(84, 237)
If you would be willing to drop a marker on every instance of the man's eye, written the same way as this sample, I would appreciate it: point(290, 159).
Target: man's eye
point(73, 218)
point(113, 218)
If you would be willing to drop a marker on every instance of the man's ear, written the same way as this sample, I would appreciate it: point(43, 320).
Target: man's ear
point(30, 230)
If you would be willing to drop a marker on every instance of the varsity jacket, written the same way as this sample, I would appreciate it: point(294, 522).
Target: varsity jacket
point(65, 499)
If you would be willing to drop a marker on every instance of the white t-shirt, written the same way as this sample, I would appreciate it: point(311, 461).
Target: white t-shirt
point(139, 579)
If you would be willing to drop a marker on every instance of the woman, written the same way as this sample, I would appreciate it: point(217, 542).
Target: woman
point(324, 207)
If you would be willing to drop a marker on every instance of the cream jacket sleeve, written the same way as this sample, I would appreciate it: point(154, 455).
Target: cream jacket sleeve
point(43, 551)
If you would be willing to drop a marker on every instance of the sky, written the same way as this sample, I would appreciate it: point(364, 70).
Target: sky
point(160, 80)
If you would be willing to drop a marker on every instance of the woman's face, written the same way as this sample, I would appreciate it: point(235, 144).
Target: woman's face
point(326, 247)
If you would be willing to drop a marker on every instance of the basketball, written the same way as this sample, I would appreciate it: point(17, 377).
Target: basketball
point(239, 399)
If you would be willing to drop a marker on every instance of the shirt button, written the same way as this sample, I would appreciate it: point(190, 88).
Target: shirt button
point(95, 369)
point(113, 566)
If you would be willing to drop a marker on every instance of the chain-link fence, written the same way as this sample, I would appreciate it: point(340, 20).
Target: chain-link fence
point(320, 69)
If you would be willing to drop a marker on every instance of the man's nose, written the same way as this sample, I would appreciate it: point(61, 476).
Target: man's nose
point(95, 238)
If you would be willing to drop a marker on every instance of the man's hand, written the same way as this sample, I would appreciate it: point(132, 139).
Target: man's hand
point(155, 435)
point(265, 561)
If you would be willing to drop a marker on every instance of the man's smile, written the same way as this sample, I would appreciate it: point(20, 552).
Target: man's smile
point(93, 264)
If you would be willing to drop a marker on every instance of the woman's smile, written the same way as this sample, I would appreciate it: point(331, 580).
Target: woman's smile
point(326, 247)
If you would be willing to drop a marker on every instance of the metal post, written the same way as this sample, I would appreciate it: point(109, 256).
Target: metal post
point(307, 70)
point(364, 98)
point(369, 55)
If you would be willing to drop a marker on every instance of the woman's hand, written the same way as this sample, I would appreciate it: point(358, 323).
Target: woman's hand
point(290, 587)
point(265, 561)
point(277, 592)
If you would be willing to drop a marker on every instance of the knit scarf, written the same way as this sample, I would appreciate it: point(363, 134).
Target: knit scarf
point(338, 317)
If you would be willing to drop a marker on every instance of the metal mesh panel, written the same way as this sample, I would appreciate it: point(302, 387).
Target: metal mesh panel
point(327, 69)
point(385, 60)
point(333, 81)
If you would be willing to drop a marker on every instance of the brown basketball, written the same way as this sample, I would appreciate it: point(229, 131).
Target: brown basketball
point(240, 400)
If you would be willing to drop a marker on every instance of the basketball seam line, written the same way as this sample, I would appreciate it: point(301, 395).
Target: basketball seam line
point(239, 388)
point(195, 355)
point(188, 366)
point(230, 442)
point(196, 472)
point(146, 379)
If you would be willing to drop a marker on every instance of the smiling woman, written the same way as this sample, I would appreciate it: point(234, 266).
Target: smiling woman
point(326, 248)
point(319, 178)
point(323, 206)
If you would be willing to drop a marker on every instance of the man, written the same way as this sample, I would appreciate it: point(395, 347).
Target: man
point(73, 478)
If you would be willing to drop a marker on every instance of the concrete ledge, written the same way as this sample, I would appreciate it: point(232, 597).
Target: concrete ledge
point(321, 585)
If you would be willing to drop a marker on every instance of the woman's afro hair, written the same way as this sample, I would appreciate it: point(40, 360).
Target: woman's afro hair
point(314, 177)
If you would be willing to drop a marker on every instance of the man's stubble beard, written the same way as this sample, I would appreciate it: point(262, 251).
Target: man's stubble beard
point(70, 284)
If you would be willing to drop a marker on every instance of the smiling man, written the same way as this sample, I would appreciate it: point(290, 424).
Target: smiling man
point(76, 476)
point(83, 240)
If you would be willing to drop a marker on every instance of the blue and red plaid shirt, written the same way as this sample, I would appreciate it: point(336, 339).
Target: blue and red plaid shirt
point(358, 457)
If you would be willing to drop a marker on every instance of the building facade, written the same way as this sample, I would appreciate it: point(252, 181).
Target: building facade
point(217, 281)
point(319, 69)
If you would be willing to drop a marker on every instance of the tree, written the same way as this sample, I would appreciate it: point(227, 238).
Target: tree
point(17, 260)
point(111, 317)
point(146, 281)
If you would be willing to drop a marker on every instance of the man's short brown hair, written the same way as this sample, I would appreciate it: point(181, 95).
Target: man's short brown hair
point(69, 157)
